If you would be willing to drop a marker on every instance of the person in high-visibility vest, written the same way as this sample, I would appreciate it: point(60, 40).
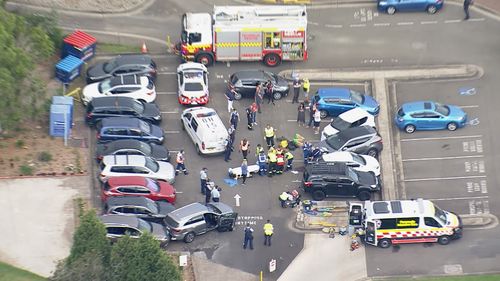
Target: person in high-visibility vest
point(306, 86)
point(261, 160)
point(258, 150)
point(244, 146)
point(280, 162)
point(180, 163)
point(268, 233)
point(269, 133)
point(271, 155)
point(289, 160)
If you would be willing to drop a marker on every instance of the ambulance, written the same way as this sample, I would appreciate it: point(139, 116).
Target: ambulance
point(245, 33)
point(388, 223)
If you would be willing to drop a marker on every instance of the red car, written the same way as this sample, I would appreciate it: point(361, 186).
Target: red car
point(138, 186)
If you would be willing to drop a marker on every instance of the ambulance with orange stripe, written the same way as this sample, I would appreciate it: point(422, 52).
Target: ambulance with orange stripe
point(409, 221)
point(245, 33)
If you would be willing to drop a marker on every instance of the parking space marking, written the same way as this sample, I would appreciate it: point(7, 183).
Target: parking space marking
point(166, 73)
point(443, 158)
point(166, 93)
point(429, 22)
point(172, 132)
point(479, 19)
point(473, 146)
point(468, 106)
point(474, 166)
point(443, 138)
point(445, 178)
point(459, 198)
point(382, 24)
point(405, 23)
point(334, 25)
point(452, 21)
point(480, 186)
point(169, 112)
point(358, 25)
point(479, 207)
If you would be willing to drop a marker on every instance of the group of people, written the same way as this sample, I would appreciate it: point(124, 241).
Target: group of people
point(208, 187)
point(248, 235)
point(311, 153)
point(314, 115)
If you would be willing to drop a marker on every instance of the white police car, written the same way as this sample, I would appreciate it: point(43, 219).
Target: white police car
point(192, 80)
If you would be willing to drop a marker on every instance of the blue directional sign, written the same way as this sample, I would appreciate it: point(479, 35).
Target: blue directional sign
point(466, 91)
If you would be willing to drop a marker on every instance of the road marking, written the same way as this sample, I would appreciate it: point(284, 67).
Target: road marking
point(468, 106)
point(358, 25)
point(382, 24)
point(442, 158)
point(313, 23)
point(172, 132)
point(166, 93)
point(334, 25)
point(166, 73)
point(452, 21)
point(429, 22)
point(444, 138)
point(169, 112)
point(446, 178)
point(458, 198)
point(322, 121)
point(480, 19)
point(405, 23)
point(337, 83)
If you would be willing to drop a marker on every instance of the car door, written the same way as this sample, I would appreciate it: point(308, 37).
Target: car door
point(406, 5)
point(346, 105)
point(356, 145)
point(196, 224)
point(434, 120)
point(248, 87)
point(115, 232)
point(418, 5)
point(345, 187)
point(330, 186)
point(419, 120)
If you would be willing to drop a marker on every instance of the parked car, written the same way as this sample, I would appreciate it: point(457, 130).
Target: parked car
point(322, 179)
point(118, 226)
point(352, 118)
point(363, 163)
point(429, 115)
point(138, 87)
point(334, 101)
point(361, 140)
point(192, 82)
point(196, 219)
point(140, 64)
point(156, 190)
point(245, 82)
point(135, 165)
point(132, 147)
point(104, 107)
point(119, 128)
point(393, 6)
point(205, 129)
point(138, 206)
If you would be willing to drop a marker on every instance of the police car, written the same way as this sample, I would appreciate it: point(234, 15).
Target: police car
point(192, 81)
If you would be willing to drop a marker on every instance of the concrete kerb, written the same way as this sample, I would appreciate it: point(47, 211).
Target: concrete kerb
point(206, 270)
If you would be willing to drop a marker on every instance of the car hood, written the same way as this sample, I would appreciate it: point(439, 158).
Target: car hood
point(367, 178)
point(164, 208)
point(325, 147)
point(372, 164)
point(97, 71)
point(167, 171)
point(370, 105)
point(91, 90)
point(282, 82)
point(159, 231)
point(156, 131)
point(151, 110)
point(159, 152)
point(328, 131)
point(456, 113)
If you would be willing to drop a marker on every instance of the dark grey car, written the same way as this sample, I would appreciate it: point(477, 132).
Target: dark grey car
point(103, 107)
point(245, 82)
point(132, 147)
point(138, 206)
point(120, 65)
point(361, 140)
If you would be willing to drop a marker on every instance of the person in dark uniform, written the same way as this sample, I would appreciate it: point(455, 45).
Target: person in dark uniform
point(248, 239)
point(249, 118)
point(467, 3)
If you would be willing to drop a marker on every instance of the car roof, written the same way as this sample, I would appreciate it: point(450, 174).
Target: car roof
point(124, 160)
point(128, 200)
point(315, 168)
point(354, 132)
point(199, 111)
point(250, 74)
point(191, 66)
point(188, 211)
point(125, 143)
point(337, 92)
point(126, 80)
point(120, 220)
point(112, 101)
point(354, 114)
point(342, 156)
point(127, 181)
point(133, 59)
point(120, 121)
point(223, 208)
point(410, 107)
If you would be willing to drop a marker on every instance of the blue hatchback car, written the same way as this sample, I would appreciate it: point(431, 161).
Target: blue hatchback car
point(392, 6)
point(429, 115)
point(334, 101)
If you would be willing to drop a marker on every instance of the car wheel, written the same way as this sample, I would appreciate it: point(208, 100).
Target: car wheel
point(238, 96)
point(205, 59)
point(183, 126)
point(189, 237)
point(364, 195)
point(318, 195)
point(372, 152)
point(198, 150)
point(444, 240)
point(391, 10)
point(323, 114)
point(431, 9)
point(451, 126)
point(384, 243)
point(272, 60)
point(277, 95)
point(410, 128)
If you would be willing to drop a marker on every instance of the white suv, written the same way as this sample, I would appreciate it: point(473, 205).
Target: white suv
point(135, 165)
point(134, 86)
point(352, 118)
point(205, 128)
point(363, 163)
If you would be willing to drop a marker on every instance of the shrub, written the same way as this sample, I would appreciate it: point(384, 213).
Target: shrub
point(45, 156)
point(26, 170)
point(20, 143)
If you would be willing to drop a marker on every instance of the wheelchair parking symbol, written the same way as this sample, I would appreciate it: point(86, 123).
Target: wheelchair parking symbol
point(467, 91)
point(474, 122)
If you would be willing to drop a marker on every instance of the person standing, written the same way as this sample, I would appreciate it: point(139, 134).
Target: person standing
point(301, 114)
point(269, 132)
point(208, 192)
point(268, 233)
point(249, 118)
point(228, 149)
point(232, 135)
point(244, 171)
point(280, 161)
point(305, 87)
point(296, 90)
point(312, 110)
point(270, 92)
point(244, 146)
point(259, 96)
point(317, 120)
point(307, 150)
point(180, 163)
point(235, 118)
point(203, 179)
point(289, 160)
point(467, 3)
point(230, 94)
point(248, 238)
point(258, 150)
point(261, 160)
point(216, 194)
point(271, 156)
point(254, 113)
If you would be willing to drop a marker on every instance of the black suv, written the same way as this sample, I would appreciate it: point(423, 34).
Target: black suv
point(325, 179)
point(361, 140)
point(121, 65)
point(245, 82)
point(103, 107)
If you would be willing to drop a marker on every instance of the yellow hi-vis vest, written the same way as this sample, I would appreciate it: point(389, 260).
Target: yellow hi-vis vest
point(272, 157)
point(268, 229)
point(269, 132)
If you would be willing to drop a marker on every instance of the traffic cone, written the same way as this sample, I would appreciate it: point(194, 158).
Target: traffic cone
point(144, 49)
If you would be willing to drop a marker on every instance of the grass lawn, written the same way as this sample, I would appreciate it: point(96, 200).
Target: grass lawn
point(454, 278)
point(10, 273)
point(117, 48)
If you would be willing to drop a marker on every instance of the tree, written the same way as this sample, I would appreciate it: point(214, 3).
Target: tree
point(141, 259)
point(87, 267)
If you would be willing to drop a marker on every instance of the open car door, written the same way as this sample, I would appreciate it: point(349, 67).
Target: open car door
point(371, 233)
point(227, 221)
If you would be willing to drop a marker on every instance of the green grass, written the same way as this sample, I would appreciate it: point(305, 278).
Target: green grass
point(495, 277)
point(117, 48)
point(10, 273)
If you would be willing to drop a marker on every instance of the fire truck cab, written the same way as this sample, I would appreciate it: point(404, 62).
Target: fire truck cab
point(409, 221)
point(245, 33)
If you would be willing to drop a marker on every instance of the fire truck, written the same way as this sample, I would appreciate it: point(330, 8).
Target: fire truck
point(245, 33)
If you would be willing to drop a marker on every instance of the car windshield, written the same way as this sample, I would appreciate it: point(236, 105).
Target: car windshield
point(152, 185)
point(193, 87)
point(213, 209)
point(151, 205)
point(109, 66)
point(144, 126)
point(271, 76)
point(358, 158)
point(440, 215)
point(442, 109)
point(335, 141)
point(145, 226)
point(340, 124)
point(401, 112)
point(357, 97)
point(152, 164)
point(352, 174)
point(138, 106)
point(104, 86)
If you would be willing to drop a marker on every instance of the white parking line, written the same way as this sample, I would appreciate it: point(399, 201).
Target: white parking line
point(468, 106)
point(452, 21)
point(443, 158)
point(357, 25)
point(480, 19)
point(459, 198)
point(405, 23)
point(382, 24)
point(166, 93)
point(447, 178)
point(172, 132)
point(429, 22)
point(334, 25)
point(444, 138)
point(166, 73)
point(169, 112)
point(322, 121)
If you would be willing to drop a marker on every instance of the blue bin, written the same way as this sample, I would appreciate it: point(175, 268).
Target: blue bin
point(67, 101)
point(79, 44)
point(60, 116)
point(68, 69)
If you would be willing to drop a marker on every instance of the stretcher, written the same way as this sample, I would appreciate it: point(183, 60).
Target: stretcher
point(236, 172)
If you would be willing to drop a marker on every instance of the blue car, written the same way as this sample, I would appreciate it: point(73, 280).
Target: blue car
point(334, 101)
point(392, 6)
point(429, 115)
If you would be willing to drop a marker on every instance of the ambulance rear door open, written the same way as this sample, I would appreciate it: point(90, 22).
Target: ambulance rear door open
point(371, 232)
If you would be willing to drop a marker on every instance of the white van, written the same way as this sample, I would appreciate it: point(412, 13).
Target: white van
point(205, 128)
